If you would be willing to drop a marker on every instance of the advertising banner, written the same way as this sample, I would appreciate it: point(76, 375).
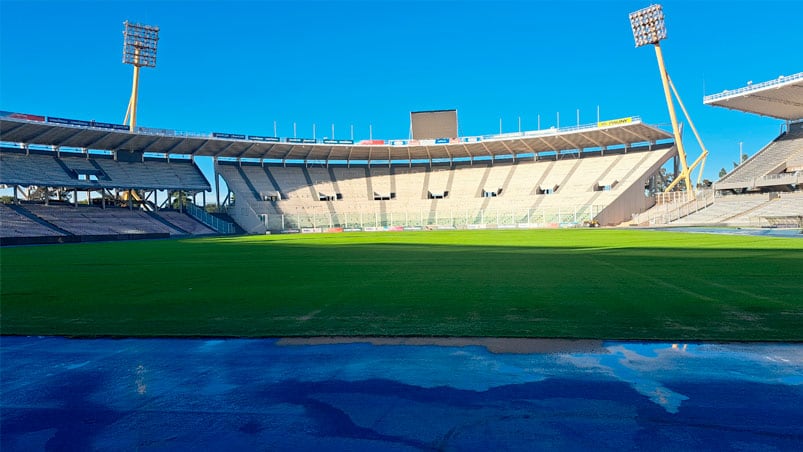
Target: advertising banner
point(615, 122)
point(106, 125)
point(71, 122)
point(476, 226)
point(228, 136)
point(11, 114)
point(265, 139)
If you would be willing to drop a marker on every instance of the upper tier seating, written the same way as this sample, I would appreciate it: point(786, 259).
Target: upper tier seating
point(47, 169)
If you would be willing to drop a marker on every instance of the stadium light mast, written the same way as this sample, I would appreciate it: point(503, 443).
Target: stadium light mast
point(139, 50)
point(649, 28)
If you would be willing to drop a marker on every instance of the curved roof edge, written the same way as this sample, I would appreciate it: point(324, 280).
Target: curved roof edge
point(780, 98)
point(38, 130)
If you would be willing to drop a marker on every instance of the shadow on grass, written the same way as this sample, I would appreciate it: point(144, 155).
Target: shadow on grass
point(220, 287)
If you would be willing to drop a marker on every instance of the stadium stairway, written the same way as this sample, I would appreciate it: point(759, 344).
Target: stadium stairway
point(478, 193)
point(170, 225)
point(335, 183)
point(369, 184)
point(63, 165)
point(275, 184)
point(248, 182)
point(310, 184)
point(315, 195)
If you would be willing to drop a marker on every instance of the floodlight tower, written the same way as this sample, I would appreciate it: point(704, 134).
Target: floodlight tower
point(139, 50)
point(649, 28)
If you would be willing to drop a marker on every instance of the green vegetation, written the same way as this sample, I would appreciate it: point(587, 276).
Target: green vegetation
point(612, 284)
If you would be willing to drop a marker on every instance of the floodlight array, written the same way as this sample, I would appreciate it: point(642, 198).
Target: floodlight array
point(139, 44)
point(648, 25)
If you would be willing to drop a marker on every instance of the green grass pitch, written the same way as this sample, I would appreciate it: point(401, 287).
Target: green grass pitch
point(607, 284)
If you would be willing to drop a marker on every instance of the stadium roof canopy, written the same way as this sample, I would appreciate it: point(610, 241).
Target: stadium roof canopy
point(781, 98)
point(27, 129)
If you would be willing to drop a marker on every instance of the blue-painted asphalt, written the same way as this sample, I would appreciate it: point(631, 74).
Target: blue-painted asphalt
point(240, 394)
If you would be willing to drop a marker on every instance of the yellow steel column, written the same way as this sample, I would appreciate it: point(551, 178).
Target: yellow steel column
point(701, 159)
point(131, 111)
point(134, 91)
point(675, 128)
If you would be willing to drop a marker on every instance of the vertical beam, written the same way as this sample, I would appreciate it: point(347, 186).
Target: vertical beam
point(217, 187)
point(132, 104)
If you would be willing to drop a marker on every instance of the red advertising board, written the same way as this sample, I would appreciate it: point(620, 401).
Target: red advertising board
point(27, 116)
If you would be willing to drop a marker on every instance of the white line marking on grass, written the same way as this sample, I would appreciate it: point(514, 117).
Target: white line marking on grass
point(733, 289)
point(309, 316)
point(655, 280)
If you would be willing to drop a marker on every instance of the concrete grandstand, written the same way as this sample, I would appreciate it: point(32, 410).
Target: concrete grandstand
point(119, 194)
point(593, 174)
point(763, 191)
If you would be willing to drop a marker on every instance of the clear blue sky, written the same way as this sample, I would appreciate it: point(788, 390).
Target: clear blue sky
point(239, 66)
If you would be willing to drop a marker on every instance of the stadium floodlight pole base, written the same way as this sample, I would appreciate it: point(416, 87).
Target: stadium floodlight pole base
point(684, 174)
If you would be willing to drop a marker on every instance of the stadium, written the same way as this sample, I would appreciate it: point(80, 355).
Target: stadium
point(74, 180)
point(592, 174)
point(608, 173)
point(83, 180)
point(584, 285)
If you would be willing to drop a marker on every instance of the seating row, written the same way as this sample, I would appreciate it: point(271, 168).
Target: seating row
point(83, 172)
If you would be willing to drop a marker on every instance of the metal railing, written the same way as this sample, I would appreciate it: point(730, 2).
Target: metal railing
point(218, 224)
point(758, 86)
point(553, 130)
point(673, 206)
point(246, 218)
point(779, 178)
point(434, 219)
point(459, 141)
point(768, 180)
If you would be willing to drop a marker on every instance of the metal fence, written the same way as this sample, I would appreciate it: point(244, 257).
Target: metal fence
point(458, 219)
point(218, 224)
point(673, 206)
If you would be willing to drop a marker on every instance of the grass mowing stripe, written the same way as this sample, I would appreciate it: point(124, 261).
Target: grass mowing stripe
point(617, 284)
